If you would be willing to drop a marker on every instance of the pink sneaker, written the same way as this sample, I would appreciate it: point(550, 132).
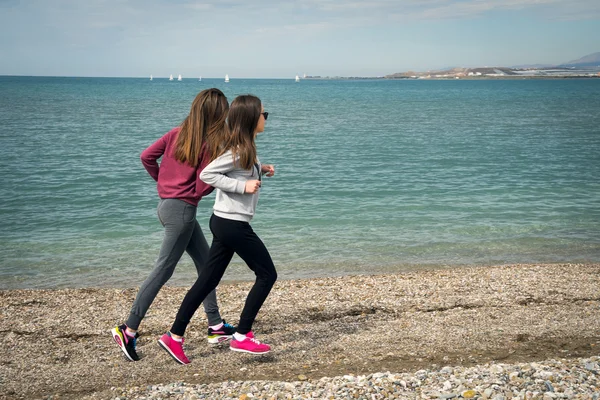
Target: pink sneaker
point(173, 347)
point(249, 345)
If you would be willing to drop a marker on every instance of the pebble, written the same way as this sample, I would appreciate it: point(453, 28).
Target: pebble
point(446, 370)
point(447, 396)
point(590, 366)
point(571, 378)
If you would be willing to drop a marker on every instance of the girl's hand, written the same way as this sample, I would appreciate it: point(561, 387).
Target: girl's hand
point(268, 169)
point(252, 186)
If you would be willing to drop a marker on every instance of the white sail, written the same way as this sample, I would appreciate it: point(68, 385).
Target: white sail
point(171, 77)
point(226, 78)
point(200, 79)
point(150, 77)
point(179, 77)
point(297, 78)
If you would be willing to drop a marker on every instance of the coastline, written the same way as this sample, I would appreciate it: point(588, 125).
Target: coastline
point(57, 342)
point(452, 78)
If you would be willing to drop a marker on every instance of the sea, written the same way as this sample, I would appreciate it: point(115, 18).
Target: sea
point(372, 176)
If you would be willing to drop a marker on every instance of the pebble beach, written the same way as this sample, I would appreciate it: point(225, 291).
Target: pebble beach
point(495, 332)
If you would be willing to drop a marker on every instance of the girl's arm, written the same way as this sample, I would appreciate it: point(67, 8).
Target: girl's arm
point(214, 175)
point(153, 153)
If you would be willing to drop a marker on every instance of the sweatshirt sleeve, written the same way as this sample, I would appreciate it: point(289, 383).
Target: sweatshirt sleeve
point(214, 175)
point(150, 156)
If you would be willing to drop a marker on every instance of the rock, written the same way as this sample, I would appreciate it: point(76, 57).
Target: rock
point(547, 375)
point(421, 374)
point(496, 369)
point(447, 396)
point(590, 366)
point(469, 394)
point(302, 377)
point(447, 370)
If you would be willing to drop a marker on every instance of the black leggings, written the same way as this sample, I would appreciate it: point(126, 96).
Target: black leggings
point(230, 237)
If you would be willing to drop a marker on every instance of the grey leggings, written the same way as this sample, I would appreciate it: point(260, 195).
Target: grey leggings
point(182, 233)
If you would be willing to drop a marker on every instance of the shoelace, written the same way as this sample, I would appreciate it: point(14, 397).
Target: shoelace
point(253, 339)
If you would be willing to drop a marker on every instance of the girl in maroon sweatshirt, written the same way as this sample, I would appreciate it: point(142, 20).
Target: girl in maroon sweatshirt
point(185, 151)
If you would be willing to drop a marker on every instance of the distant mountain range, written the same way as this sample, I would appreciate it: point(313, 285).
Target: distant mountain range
point(574, 67)
point(583, 67)
point(591, 60)
point(587, 66)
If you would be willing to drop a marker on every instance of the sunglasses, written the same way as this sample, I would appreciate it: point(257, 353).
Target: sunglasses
point(265, 114)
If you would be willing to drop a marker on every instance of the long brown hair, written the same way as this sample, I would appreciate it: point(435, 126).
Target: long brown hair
point(244, 115)
point(204, 125)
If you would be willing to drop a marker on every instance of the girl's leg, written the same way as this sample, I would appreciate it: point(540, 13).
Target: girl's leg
point(253, 251)
point(219, 256)
point(198, 251)
point(179, 219)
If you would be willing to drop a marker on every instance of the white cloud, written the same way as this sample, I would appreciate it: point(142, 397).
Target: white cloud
point(442, 9)
point(473, 8)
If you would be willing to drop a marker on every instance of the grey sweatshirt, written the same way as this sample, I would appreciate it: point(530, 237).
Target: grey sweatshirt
point(230, 181)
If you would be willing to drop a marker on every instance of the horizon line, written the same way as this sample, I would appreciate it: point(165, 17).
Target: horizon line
point(175, 79)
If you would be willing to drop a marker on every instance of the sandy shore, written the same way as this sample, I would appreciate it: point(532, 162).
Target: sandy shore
point(57, 342)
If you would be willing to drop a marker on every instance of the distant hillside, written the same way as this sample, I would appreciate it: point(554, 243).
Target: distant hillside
point(525, 66)
point(453, 73)
point(591, 60)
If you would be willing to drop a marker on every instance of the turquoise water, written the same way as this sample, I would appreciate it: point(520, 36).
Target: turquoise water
point(372, 176)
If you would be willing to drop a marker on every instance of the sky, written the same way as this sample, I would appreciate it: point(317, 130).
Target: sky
point(279, 39)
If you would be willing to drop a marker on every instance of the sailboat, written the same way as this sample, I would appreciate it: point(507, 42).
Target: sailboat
point(171, 77)
point(179, 77)
point(297, 78)
point(150, 77)
point(200, 79)
point(226, 78)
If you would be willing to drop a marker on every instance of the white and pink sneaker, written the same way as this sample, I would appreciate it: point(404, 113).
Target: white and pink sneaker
point(173, 347)
point(249, 345)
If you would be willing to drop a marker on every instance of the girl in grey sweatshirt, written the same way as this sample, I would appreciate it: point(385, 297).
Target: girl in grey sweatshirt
point(237, 176)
